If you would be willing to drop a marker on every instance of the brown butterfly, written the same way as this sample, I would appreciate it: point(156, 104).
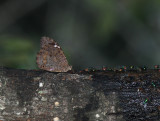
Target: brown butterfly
point(51, 57)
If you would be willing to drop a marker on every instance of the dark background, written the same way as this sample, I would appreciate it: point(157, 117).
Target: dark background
point(92, 33)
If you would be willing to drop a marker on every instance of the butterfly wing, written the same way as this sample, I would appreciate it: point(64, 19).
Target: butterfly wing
point(51, 57)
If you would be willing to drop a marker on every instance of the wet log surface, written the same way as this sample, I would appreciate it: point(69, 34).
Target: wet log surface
point(31, 95)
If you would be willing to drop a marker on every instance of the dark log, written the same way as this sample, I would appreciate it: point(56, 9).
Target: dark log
point(34, 95)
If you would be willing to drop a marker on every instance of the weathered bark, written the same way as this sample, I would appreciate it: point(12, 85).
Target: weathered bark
point(31, 95)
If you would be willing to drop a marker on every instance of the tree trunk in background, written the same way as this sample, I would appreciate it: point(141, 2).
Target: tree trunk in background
point(31, 95)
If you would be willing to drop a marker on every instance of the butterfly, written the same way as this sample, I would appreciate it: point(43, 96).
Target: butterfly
point(51, 57)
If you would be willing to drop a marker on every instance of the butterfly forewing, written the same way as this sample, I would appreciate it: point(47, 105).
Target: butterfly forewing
point(51, 57)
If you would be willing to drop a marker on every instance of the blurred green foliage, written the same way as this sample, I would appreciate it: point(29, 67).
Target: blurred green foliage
point(17, 52)
point(93, 33)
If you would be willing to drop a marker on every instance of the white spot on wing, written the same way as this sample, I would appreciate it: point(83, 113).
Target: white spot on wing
point(56, 46)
